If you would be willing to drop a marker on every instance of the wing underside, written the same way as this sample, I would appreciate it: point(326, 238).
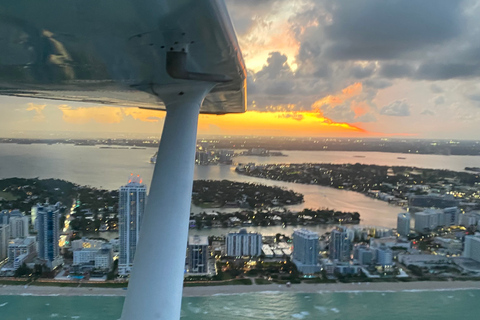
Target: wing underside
point(114, 51)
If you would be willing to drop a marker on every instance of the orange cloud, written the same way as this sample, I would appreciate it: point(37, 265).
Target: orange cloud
point(38, 108)
point(335, 100)
point(145, 115)
point(107, 115)
point(360, 108)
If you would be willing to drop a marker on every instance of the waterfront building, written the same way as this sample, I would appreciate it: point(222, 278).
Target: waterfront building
point(6, 215)
point(390, 242)
point(364, 255)
point(132, 199)
point(384, 256)
point(243, 243)
point(48, 224)
point(104, 258)
point(21, 250)
point(95, 258)
point(403, 224)
point(86, 243)
point(472, 247)
point(197, 254)
point(4, 240)
point(435, 201)
point(340, 244)
point(426, 221)
point(33, 216)
point(19, 227)
point(305, 251)
point(84, 256)
point(450, 216)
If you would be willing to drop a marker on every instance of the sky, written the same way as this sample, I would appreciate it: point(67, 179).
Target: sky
point(323, 68)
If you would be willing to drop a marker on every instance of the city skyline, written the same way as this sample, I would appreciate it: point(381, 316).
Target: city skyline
point(323, 69)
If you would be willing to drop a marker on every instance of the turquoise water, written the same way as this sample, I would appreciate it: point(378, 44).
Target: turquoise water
point(423, 305)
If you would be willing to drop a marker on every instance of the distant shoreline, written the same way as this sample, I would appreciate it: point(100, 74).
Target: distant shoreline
point(418, 286)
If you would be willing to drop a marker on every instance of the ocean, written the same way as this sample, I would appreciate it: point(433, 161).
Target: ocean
point(414, 304)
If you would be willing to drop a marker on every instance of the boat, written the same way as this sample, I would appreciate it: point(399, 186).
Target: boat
point(153, 159)
point(401, 158)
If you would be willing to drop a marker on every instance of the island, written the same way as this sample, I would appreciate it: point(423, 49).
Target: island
point(400, 185)
point(225, 193)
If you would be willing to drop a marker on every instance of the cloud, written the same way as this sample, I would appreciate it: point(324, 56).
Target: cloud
point(447, 70)
point(439, 100)
point(377, 83)
point(38, 109)
point(396, 70)
point(107, 115)
point(399, 108)
point(427, 112)
point(436, 88)
point(378, 29)
point(360, 71)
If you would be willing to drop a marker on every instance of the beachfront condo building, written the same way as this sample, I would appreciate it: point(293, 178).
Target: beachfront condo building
point(340, 245)
point(305, 251)
point(48, 225)
point(197, 254)
point(4, 239)
point(472, 247)
point(243, 243)
point(403, 224)
point(132, 199)
point(19, 227)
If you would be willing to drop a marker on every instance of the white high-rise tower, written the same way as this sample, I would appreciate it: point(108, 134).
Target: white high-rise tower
point(403, 224)
point(132, 198)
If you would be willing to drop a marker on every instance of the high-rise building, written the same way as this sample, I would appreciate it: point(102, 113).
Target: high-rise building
point(363, 254)
point(19, 227)
point(48, 223)
point(132, 199)
point(340, 245)
point(426, 221)
point(384, 256)
point(4, 240)
point(472, 247)
point(451, 216)
point(21, 250)
point(305, 251)
point(6, 215)
point(197, 254)
point(403, 224)
point(243, 243)
point(33, 216)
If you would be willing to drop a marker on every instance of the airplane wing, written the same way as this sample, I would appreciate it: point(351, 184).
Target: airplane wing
point(114, 52)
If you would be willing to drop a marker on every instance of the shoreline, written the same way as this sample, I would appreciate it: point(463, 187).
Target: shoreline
point(8, 290)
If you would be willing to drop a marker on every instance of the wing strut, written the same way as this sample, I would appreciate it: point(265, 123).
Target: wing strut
point(156, 282)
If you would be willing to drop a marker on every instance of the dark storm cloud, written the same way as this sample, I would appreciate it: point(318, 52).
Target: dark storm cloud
point(396, 70)
point(446, 71)
point(360, 72)
point(387, 29)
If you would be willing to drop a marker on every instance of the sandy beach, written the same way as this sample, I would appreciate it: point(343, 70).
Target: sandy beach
point(240, 289)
